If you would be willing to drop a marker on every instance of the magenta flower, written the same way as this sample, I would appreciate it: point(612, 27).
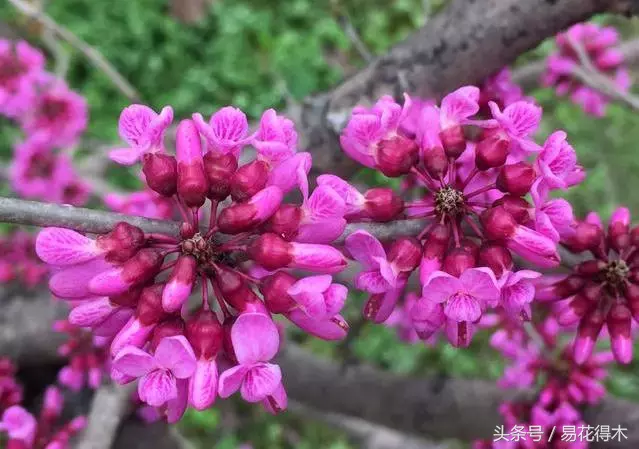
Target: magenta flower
point(516, 124)
point(276, 138)
point(501, 89)
point(255, 341)
point(143, 130)
point(19, 425)
point(159, 373)
point(517, 292)
point(226, 132)
point(20, 65)
point(401, 320)
point(56, 112)
point(146, 203)
point(18, 261)
point(557, 165)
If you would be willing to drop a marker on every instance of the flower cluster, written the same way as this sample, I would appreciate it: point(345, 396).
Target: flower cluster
point(18, 260)
point(469, 179)
point(600, 46)
point(52, 118)
point(237, 244)
point(24, 431)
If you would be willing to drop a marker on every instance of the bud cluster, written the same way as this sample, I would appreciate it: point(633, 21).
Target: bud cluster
point(237, 245)
point(482, 188)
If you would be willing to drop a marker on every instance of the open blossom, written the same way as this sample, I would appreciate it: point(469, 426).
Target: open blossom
point(20, 64)
point(24, 431)
point(471, 189)
point(601, 46)
point(132, 289)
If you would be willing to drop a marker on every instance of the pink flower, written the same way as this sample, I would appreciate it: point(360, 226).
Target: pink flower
point(143, 130)
point(517, 292)
point(557, 165)
point(518, 122)
point(226, 132)
point(276, 138)
point(318, 297)
point(255, 341)
point(19, 425)
point(501, 89)
point(401, 320)
point(20, 63)
point(553, 218)
point(160, 373)
point(145, 203)
point(56, 111)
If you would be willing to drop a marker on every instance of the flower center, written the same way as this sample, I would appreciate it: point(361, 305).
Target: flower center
point(449, 201)
point(205, 251)
point(53, 108)
point(615, 272)
point(10, 69)
point(41, 166)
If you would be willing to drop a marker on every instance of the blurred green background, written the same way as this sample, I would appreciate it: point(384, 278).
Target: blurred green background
point(257, 54)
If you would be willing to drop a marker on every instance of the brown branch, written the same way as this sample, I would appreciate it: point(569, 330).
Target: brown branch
point(463, 44)
point(91, 53)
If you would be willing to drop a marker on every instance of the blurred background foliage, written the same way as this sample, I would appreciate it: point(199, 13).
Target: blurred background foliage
point(257, 54)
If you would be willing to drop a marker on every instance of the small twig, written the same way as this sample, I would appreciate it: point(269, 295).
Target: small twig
point(88, 51)
point(353, 35)
point(589, 75)
point(111, 404)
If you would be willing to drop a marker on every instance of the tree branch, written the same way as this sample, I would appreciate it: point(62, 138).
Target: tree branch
point(463, 44)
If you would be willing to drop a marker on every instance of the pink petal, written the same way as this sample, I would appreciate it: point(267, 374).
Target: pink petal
point(73, 282)
point(326, 203)
point(535, 247)
point(157, 127)
point(387, 271)
point(175, 354)
point(255, 338)
point(353, 199)
point(133, 333)
point(440, 286)
point(462, 307)
point(276, 401)
point(266, 202)
point(231, 380)
point(523, 117)
point(19, 424)
point(134, 362)
point(114, 323)
point(261, 381)
point(134, 122)
point(176, 407)
point(335, 298)
point(320, 231)
point(91, 312)
point(108, 283)
point(312, 303)
point(334, 328)
point(481, 284)
point(203, 384)
point(157, 387)
point(286, 175)
point(125, 156)
point(59, 246)
point(372, 282)
point(317, 257)
point(459, 105)
point(364, 248)
point(315, 284)
point(427, 317)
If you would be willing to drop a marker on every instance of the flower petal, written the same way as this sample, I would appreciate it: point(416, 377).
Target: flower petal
point(157, 387)
point(462, 307)
point(261, 381)
point(203, 384)
point(364, 248)
point(440, 286)
point(481, 284)
point(134, 362)
point(255, 338)
point(175, 354)
point(231, 380)
point(60, 246)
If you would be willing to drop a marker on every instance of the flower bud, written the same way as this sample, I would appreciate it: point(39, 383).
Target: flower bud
point(492, 151)
point(569, 286)
point(589, 329)
point(136, 271)
point(590, 267)
point(453, 140)
point(234, 288)
point(618, 230)
point(434, 249)
point(121, 243)
point(204, 333)
point(249, 179)
point(382, 204)
point(274, 289)
point(169, 327)
point(285, 222)
point(496, 257)
point(436, 162)
point(458, 260)
point(619, 326)
point(219, 169)
point(498, 224)
point(396, 156)
point(518, 207)
point(270, 251)
point(179, 286)
point(243, 217)
point(192, 184)
point(405, 254)
point(516, 179)
point(586, 236)
point(160, 171)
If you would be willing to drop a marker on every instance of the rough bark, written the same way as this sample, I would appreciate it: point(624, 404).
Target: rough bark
point(463, 44)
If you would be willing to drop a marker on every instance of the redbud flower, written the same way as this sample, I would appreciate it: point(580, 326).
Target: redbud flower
point(557, 165)
point(143, 130)
point(226, 131)
point(20, 63)
point(10, 389)
point(18, 260)
point(145, 203)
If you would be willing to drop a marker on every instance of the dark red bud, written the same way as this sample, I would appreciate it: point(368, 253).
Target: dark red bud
point(590, 267)
point(586, 236)
point(237, 218)
point(396, 156)
point(168, 328)
point(498, 224)
point(497, 258)
point(129, 298)
point(249, 179)
point(518, 207)
point(569, 286)
point(149, 310)
point(274, 289)
point(193, 185)
point(457, 261)
point(219, 169)
point(160, 171)
point(492, 151)
point(270, 251)
point(383, 204)
point(634, 236)
point(234, 288)
point(205, 334)
point(142, 267)
point(453, 140)
point(436, 162)
point(440, 233)
point(516, 179)
point(285, 222)
point(405, 253)
point(122, 242)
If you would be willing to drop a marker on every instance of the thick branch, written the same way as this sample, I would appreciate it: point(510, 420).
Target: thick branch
point(465, 43)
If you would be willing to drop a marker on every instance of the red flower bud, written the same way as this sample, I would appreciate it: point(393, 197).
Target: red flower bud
point(516, 179)
point(234, 288)
point(274, 289)
point(498, 224)
point(160, 171)
point(586, 236)
point(590, 267)
point(496, 257)
point(518, 207)
point(122, 242)
point(436, 162)
point(129, 298)
point(192, 184)
point(249, 179)
point(285, 222)
point(569, 286)
point(167, 328)
point(457, 261)
point(396, 156)
point(205, 334)
point(149, 310)
point(492, 151)
point(383, 204)
point(270, 251)
point(453, 140)
point(219, 169)
point(405, 253)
